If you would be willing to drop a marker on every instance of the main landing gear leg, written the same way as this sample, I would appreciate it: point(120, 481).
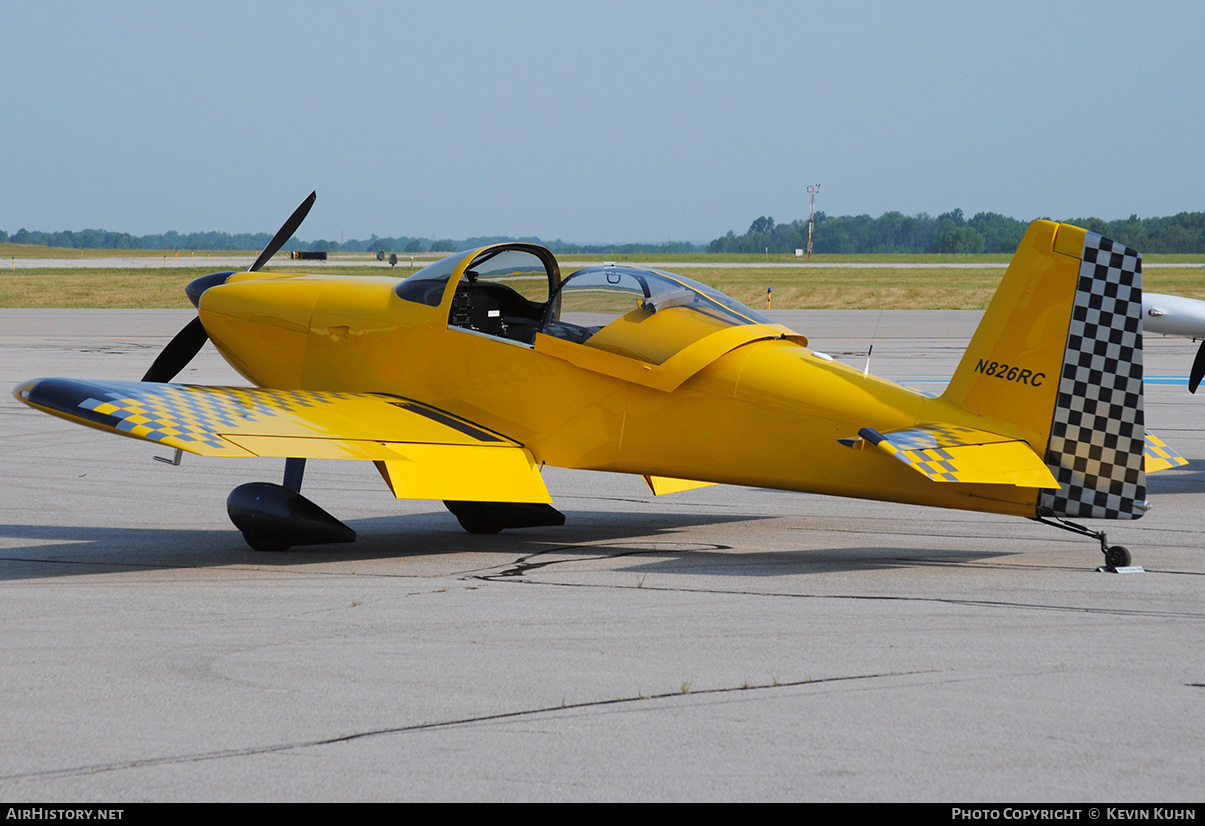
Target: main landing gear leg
point(277, 517)
point(294, 471)
point(1116, 556)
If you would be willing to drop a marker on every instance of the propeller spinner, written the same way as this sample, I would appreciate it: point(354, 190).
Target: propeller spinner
point(189, 341)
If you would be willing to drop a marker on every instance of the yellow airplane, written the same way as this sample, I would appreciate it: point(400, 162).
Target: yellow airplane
point(463, 380)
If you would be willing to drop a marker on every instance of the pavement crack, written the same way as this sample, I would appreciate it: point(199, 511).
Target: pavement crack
point(249, 751)
point(533, 562)
point(148, 566)
point(515, 573)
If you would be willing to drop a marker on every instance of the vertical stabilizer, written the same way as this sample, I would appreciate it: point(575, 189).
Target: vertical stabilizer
point(1058, 356)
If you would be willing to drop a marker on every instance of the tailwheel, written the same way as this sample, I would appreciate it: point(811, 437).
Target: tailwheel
point(1117, 556)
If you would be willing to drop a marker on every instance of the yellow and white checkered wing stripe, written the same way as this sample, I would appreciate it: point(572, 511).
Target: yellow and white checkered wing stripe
point(951, 453)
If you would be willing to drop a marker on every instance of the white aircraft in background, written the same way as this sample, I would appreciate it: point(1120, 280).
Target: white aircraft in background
point(1173, 315)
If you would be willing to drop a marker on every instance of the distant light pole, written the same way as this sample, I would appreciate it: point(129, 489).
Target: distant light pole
point(812, 190)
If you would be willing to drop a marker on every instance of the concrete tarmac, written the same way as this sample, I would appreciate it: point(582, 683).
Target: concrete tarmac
point(719, 644)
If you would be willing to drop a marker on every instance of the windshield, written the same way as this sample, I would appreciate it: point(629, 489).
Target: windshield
point(427, 285)
point(525, 270)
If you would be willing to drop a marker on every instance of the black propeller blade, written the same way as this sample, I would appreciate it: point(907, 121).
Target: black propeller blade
point(1198, 370)
point(285, 232)
point(189, 341)
point(178, 352)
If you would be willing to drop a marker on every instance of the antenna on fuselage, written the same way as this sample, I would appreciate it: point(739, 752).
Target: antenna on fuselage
point(873, 337)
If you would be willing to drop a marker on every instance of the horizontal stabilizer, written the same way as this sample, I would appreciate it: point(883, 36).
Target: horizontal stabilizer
point(950, 453)
point(1158, 456)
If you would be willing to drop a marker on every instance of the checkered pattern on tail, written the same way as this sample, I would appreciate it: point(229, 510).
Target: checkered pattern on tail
point(1096, 439)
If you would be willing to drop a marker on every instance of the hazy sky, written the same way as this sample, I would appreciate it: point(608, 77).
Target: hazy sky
point(592, 122)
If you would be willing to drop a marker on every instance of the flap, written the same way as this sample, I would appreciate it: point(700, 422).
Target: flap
point(661, 485)
point(465, 474)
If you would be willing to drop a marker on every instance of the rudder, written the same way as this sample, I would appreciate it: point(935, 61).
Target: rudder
point(1097, 441)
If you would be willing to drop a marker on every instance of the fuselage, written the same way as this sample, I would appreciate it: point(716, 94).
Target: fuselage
point(1173, 315)
point(748, 405)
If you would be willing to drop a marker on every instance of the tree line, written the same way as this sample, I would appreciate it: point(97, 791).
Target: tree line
point(104, 239)
point(951, 232)
point(891, 232)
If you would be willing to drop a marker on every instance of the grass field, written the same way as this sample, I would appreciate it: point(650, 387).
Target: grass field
point(813, 287)
point(35, 251)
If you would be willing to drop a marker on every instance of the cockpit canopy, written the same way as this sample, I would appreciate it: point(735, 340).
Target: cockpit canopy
point(514, 291)
point(527, 269)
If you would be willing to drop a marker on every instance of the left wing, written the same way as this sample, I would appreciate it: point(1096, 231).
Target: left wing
point(423, 452)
